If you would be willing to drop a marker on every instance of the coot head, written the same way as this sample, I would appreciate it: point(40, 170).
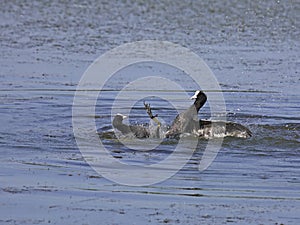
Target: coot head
point(200, 99)
point(118, 120)
point(199, 95)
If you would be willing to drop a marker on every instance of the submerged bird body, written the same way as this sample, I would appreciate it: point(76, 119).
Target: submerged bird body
point(210, 129)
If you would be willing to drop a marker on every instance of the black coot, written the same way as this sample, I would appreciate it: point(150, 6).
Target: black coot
point(137, 130)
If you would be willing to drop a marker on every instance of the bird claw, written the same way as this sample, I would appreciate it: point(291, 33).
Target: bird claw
point(149, 112)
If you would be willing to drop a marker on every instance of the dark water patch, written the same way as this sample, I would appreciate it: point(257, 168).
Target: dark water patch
point(279, 138)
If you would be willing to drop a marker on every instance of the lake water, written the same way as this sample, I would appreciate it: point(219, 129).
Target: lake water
point(252, 47)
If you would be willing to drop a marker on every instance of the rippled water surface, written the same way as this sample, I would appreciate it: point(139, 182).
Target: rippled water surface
point(251, 46)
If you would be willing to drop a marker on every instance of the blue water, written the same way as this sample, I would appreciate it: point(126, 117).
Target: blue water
point(251, 47)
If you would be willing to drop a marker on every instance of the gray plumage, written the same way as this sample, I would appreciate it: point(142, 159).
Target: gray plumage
point(137, 130)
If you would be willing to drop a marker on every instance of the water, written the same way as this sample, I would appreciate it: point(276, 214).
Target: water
point(252, 48)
